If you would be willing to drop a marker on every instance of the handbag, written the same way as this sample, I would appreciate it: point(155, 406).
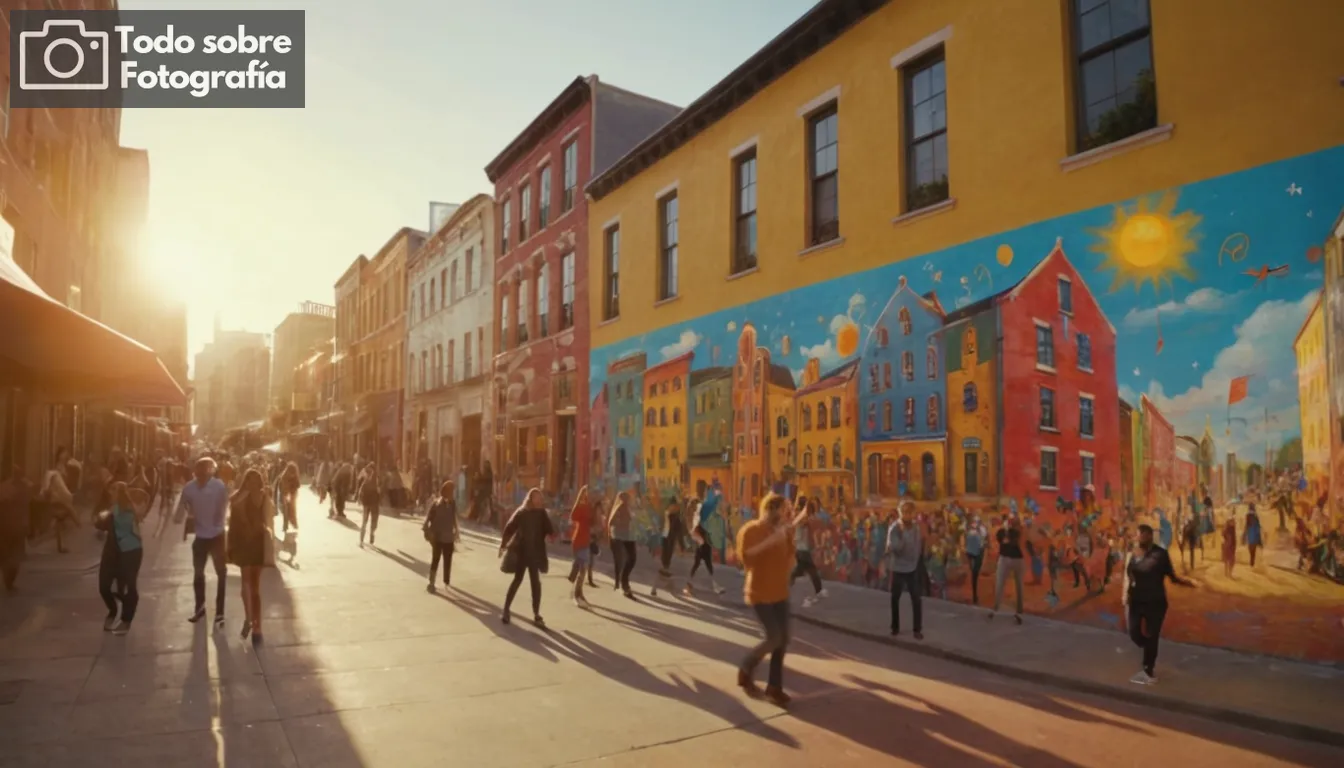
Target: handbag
point(268, 551)
point(510, 561)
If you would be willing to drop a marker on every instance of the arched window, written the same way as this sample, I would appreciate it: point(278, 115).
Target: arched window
point(676, 415)
point(903, 470)
point(662, 458)
point(886, 416)
point(970, 398)
point(821, 415)
point(676, 454)
point(883, 338)
point(933, 416)
point(872, 417)
point(836, 460)
point(723, 432)
point(662, 416)
point(653, 389)
point(807, 458)
point(651, 418)
point(968, 343)
point(908, 365)
point(650, 460)
point(886, 375)
point(906, 328)
point(874, 472)
point(807, 418)
point(821, 457)
point(931, 361)
point(676, 384)
point(835, 412)
point(781, 427)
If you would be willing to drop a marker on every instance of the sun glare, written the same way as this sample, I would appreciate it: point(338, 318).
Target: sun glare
point(1148, 243)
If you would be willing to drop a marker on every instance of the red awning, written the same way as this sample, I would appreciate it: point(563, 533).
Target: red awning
point(64, 356)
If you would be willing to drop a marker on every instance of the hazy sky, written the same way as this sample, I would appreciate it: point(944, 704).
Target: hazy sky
point(253, 211)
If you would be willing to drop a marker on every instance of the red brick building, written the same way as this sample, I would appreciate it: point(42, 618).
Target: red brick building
point(542, 426)
point(1159, 457)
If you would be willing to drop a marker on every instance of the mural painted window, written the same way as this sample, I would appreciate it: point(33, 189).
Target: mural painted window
point(744, 234)
point(887, 418)
point(793, 452)
point(875, 378)
point(567, 291)
point(676, 455)
point(524, 211)
point(741, 445)
point(821, 415)
point(662, 416)
point(933, 415)
point(886, 376)
point(908, 365)
point(663, 387)
point(874, 473)
point(544, 199)
point(1047, 408)
point(676, 415)
point(620, 460)
point(676, 384)
point(807, 458)
point(883, 338)
point(1049, 468)
point(612, 267)
point(835, 412)
point(904, 318)
point(522, 447)
point(651, 418)
point(1086, 421)
point(1089, 466)
point(968, 342)
point(649, 461)
point(1116, 92)
point(1045, 346)
point(837, 459)
point(931, 362)
point(629, 390)
point(909, 414)
point(824, 140)
point(723, 432)
point(926, 127)
point(662, 458)
point(571, 178)
point(970, 398)
point(929, 475)
point(781, 427)
point(755, 445)
point(755, 414)
point(821, 457)
point(872, 417)
point(1084, 352)
point(1065, 295)
point(903, 470)
point(653, 389)
point(807, 418)
point(669, 242)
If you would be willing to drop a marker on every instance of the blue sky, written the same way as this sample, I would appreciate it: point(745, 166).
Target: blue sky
point(407, 101)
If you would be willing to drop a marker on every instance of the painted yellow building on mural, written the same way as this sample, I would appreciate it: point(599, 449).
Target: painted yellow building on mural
point(972, 404)
point(1309, 346)
point(667, 422)
point(852, 202)
point(828, 435)
point(779, 403)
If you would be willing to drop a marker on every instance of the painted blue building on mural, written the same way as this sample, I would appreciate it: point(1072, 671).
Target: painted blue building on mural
point(625, 397)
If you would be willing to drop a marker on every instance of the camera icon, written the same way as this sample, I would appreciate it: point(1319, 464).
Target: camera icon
point(64, 56)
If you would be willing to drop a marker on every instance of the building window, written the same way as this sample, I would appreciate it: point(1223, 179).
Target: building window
point(886, 376)
point(667, 258)
point(908, 365)
point(781, 427)
point(926, 127)
point(807, 418)
point(567, 291)
point(466, 356)
point(450, 361)
point(821, 457)
point(1084, 352)
point(1086, 416)
point(909, 414)
point(524, 211)
point(424, 370)
point(824, 167)
point(931, 361)
point(970, 398)
point(433, 294)
point(543, 300)
point(1089, 470)
point(874, 378)
point(503, 322)
point(744, 233)
point(888, 420)
point(932, 418)
point(1065, 295)
point(1049, 469)
point(821, 415)
point(676, 416)
point(524, 298)
point(835, 412)
point(662, 416)
point(1047, 408)
point(571, 154)
point(1116, 85)
point(883, 338)
point(837, 458)
point(904, 318)
point(968, 342)
point(544, 199)
point(471, 272)
point(807, 458)
point(1045, 346)
point(612, 268)
point(507, 218)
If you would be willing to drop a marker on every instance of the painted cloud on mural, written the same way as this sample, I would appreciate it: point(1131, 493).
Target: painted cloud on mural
point(1197, 301)
point(687, 343)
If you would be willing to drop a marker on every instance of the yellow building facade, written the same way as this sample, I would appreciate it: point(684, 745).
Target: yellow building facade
point(666, 422)
point(779, 404)
point(972, 407)
point(1312, 399)
point(828, 436)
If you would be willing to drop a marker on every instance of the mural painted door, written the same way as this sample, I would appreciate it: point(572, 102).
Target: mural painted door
point(930, 476)
point(972, 468)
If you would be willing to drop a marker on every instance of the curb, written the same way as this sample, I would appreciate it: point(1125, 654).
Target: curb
point(1261, 723)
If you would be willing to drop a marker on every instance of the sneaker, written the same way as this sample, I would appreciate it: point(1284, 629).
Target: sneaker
point(122, 628)
point(197, 616)
point(256, 639)
point(777, 696)
point(719, 590)
point(748, 685)
point(371, 541)
point(219, 621)
point(109, 622)
point(430, 589)
point(808, 602)
point(246, 630)
point(1142, 678)
point(823, 594)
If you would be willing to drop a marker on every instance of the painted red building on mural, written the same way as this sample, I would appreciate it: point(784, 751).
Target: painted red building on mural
point(542, 426)
point(1159, 456)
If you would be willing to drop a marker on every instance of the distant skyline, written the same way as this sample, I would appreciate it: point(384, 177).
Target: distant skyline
point(254, 212)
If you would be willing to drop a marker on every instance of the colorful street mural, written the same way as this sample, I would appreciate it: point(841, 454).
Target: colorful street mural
point(1164, 359)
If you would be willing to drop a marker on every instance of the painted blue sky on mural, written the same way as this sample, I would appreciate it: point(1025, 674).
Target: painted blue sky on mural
point(1181, 339)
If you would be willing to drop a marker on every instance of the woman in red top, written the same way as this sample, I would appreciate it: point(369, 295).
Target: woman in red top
point(581, 535)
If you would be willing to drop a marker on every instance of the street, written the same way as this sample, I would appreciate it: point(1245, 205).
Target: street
point(361, 667)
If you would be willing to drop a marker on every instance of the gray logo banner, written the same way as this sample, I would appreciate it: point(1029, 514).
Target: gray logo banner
point(156, 59)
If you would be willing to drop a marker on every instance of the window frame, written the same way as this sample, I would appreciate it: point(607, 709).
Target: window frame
point(1091, 413)
point(611, 268)
point(569, 183)
point(1083, 138)
point(543, 299)
point(524, 211)
point(544, 198)
point(506, 219)
point(741, 261)
point(1053, 485)
point(915, 199)
point(820, 233)
point(1053, 423)
point(568, 290)
point(668, 247)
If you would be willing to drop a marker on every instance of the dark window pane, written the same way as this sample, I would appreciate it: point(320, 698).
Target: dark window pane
point(923, 163)
point(920, 86)
point(923, 120)
point(1130, 62)
point(1094, 29)
point(940, 157)
point(1128, 16)
point(938, 82)
point(1096, 111)
point(1098, 79)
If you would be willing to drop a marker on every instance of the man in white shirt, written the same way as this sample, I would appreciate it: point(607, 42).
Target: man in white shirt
point(207, 499)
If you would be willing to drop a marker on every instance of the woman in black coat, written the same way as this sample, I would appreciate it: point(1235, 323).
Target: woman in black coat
point(524, 550)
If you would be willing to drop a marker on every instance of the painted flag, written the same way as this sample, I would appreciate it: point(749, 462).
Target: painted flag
point(1236, 391)
point(1160, 341)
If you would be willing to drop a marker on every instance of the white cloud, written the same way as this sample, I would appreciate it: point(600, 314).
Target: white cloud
point(825, 353)
point(838, 322)
point(732, 326)
point(1199, 300)
point(688, 342)
point(1263, 349)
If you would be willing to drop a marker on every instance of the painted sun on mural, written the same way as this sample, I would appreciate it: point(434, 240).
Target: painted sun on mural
point(1159, 360)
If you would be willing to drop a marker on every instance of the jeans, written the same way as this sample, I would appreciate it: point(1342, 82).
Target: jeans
point(703, 554)
point(369, 522)
point(1145, 629)
point(442, 551)
point(1008, 565)
point(805, 565)
point(900, 582)
point(626, 553)
point(201, 549)
point(534, 576)
point(338, 501)
point(120, 569)
point(977, 562)
point(774, 618)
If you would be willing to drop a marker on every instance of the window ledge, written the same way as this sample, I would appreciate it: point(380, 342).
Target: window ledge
point(819, 247)
point(926, 211)
point(1128, 144)
point(1046, 368)
point(743, 273)
point(668, 300)
point(609, 321)
point(1086, 370)
point(1051, 430)
point(1049, 487)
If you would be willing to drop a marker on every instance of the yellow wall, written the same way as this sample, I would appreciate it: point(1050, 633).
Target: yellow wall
point(1311, 386)
point(779, 403)
point(1227, 73)
point(672, 438)
point(980, 424)
point(846, 433)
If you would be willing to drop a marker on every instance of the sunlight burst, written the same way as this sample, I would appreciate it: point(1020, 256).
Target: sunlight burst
point(1149, 243)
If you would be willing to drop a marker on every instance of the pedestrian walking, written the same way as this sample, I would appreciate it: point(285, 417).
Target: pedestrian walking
point(123, 553)
point(206, 500)
point(1009, 539)
point(15, 497)
point(976, 535)
point(1229, 546)
point(289, 484)
point(524, 551)
point(1146, 574)
point(342, 485)
point(60, 501)
point(704, 550)
point(1253, 534)
point(322, 481)
point(767, 551)
point(581, 538)
point(251, 545)
point(674, 535)
point(441, 532)
point(370, 494)
point(595, 529)
point(802, 544)
point(905, 547)
point(623, 547)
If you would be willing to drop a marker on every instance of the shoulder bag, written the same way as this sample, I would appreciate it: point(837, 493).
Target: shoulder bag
point(510, 560)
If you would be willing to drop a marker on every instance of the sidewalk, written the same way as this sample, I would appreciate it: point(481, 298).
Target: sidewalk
point(1297, 700)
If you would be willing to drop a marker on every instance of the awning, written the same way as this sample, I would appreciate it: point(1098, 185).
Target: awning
point(64, 356)
point(272, 448)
